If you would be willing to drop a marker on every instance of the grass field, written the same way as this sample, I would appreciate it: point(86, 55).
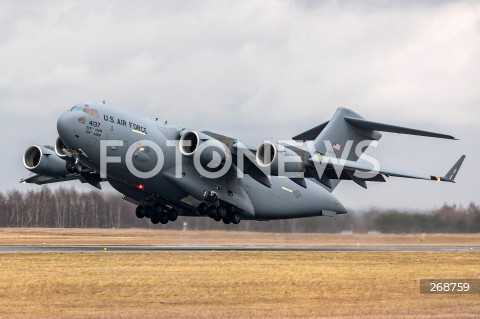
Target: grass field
point(233, 285)
point(67, 236)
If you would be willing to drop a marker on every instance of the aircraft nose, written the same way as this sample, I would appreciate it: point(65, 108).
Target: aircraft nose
point(65, 127)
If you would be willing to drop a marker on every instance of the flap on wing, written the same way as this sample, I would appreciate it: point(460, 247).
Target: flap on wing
point(41, 179)
point(92, 178)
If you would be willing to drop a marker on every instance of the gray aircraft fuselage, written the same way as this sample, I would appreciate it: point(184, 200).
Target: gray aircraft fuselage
point(81, 131)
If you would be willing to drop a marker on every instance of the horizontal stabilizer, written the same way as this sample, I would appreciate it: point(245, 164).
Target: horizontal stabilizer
point(369, 125)
point(311, 134)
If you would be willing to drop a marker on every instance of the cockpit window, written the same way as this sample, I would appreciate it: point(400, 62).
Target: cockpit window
point(85, 109)
point(76, 108)
point(91, 112)
point(94, 113)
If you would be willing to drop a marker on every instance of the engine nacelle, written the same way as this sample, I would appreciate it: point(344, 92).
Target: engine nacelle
point(275, 156)
point(60, 149)
point(189, 142)
point(43, 160)
point(211, 151)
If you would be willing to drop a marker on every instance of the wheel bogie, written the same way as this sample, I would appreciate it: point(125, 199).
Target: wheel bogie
point(161, 213)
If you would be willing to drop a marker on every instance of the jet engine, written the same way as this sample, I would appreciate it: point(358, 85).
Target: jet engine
point(60, 149)
point(43, 161)
point(274, 156)
point(212, 152)
point(189, 141)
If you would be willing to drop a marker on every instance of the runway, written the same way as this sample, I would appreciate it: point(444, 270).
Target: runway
point(126, 249)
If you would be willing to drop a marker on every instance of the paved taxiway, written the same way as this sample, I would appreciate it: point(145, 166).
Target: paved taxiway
point(4, 249)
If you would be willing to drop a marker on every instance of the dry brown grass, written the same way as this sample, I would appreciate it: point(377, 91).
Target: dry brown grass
point(55, 236)
point(233, 285)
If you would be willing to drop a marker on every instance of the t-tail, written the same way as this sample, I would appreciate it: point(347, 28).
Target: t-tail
point(340, 142)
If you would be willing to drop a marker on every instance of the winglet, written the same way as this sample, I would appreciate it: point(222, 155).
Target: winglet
point(452, 173)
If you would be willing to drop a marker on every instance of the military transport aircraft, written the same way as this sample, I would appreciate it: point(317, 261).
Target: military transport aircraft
point(170, 171)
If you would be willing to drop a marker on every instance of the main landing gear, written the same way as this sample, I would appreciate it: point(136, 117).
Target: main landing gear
point(219, 211)
point(160, 212)
point(157, 214)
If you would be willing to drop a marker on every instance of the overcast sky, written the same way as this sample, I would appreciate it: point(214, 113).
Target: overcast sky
point(255, 70)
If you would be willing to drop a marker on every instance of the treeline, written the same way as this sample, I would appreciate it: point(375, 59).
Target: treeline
point(68, 208)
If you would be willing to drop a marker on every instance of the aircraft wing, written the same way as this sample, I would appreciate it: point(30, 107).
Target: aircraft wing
point(41, 179)
point(360, 172)
point(91, 178)
point(236, 148)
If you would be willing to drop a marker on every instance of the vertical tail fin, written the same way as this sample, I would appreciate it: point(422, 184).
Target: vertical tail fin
point(339, 138)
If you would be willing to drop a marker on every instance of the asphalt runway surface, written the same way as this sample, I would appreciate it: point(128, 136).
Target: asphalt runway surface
point(125, 249)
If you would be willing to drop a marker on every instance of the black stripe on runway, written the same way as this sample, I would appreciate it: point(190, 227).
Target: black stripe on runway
point(4, 249)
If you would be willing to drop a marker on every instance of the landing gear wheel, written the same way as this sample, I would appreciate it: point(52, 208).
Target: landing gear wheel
point(235, 217)
point(163, 218)
point(139, 212)
point(155, 219)
point(212, 211)
point(217, 218)
point(148, 212)
point(172, 215)
point(71, 168)
point(221, 211)
point(78, 168)
point(227, 219)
